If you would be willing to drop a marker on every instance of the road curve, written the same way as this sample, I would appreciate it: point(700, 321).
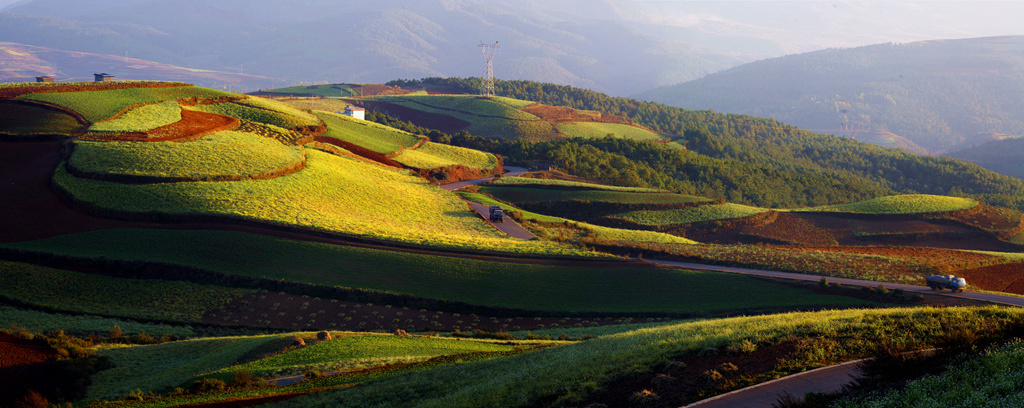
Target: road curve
point(510, 172)
point(986, 297)
point(822, 380)
point(508, 226)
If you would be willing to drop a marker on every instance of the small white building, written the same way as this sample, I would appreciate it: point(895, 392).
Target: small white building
point(355, 112)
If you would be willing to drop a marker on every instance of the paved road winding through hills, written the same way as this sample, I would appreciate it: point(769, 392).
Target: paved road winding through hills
point(822, 380)
point(507, 226)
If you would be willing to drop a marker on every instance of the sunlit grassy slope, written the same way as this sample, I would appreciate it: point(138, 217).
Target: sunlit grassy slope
point(332, 193)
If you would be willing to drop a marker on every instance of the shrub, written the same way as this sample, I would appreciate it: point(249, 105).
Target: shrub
point(643, 397)
point(209, 384)
point(115, 332)
point(662, 380)
point(298, 342)
point(313, 374)
point(401, 333)
point(745, 346)
point(725, 367)
point(32, 399)
point(711, 376)
point(324, 335)
point(242, 379)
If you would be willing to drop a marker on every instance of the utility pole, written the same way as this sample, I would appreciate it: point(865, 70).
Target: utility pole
point(489, 50)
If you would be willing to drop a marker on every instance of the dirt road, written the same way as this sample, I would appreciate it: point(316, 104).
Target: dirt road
point(511, 172)
point(763, 395)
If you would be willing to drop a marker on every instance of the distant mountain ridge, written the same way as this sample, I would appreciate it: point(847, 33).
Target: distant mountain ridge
point(24, 62)
point(940, 95)
point(373, 42)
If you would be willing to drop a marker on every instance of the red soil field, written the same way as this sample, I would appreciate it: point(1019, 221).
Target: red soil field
point(193, 125)
point(23, 366)
point(1007, 278)
point(567, 114)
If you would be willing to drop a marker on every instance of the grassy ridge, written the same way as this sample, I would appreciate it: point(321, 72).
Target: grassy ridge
point(435, 155)
point(226, 154)
point(498, 117)
point(369, 135)
point(95, 106)
point(279, 107)
point(332, 193)
point(131, 298)
point(332, 90)
point(689, 215)
point(353, 352)
point(158, 366)
point(255, 114)
point(597, 129)
point(541, 183)
point(900, 204)
point(141, 119)
point(568, 374)
point(23, 120)
point(481, 282)
point(539, 195)
point(575, 231)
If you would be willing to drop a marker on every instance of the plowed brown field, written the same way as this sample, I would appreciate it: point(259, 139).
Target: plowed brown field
point(1007, 278)
point(23, 367)
point(193, 125)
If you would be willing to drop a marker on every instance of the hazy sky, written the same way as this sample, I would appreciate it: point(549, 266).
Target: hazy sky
point(841, 23)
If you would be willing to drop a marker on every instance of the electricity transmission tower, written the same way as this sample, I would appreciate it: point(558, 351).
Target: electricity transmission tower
point(489, 51)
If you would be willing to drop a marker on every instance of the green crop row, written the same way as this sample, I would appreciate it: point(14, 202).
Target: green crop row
point(354, 352)
point(130, 298)
point(435, 155)
point(531, 194)
point(541, 183)
point(468, 104)
point(83, 325)
point(369, 135)
point(487, 117)
point(597, 129)
point(222, 155)
point(23, 120)
point(95, 106)
point(337, 194)
point(331, 90)
point(141, 119)
point(900, 204)
point(474, 281)
point(700, 213)
point(568, 374)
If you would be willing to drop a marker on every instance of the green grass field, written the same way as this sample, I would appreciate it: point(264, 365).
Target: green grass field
point(158, 366)
point(23, 120)
point(541, 195)
point(899, 204)
point(97, 294)
point(280, 107)
point(474, 281)
point(83, 325)
point(541, 183)
point(597, 129)
point(349, 352)
point(498, 117)
point(332, 193)
point(141, 119)
point(331, 90)
point(256, 114)
point(702, 213)
point(222, 155)
point(369, 135)
point(436, 155)
point(566, 375)
point(95, 106)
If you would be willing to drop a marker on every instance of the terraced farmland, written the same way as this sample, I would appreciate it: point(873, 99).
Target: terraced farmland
point(19, 120)
point(531, 194)
point(497, 117)
point(369, 135)
point(700, 213)
point(900, 204)
point(141, 119)
point(225, 155)
point(597, 129)
point(435, 155)
point(336, 194)
point(95, 106)
point(246, 110)
point(527, 181)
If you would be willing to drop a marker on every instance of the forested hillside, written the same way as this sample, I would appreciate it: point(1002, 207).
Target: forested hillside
point(941, 95)
point(741, 158)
